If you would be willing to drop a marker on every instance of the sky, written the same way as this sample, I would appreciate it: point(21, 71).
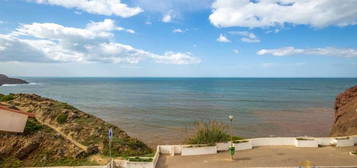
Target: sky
point(178, 38)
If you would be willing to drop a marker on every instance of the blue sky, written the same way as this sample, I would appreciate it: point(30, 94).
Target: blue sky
point(178, 38)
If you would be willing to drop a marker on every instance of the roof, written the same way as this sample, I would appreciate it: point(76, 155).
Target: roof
point(2, 107)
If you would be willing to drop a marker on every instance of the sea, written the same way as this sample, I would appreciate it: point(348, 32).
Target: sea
point(163, 110)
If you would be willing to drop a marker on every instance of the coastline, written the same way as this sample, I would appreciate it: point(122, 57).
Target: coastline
point(319, 120)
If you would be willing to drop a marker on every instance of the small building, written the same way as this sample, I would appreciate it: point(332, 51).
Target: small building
point(12, 120)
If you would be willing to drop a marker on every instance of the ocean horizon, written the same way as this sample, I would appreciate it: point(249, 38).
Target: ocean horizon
point(161, 110)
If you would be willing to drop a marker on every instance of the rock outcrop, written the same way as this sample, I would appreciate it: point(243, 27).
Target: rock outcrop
point(6, 80)
point(345, 113)
point(60, 131)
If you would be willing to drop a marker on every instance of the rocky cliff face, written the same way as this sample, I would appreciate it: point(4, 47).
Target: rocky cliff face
point(6, 80)
point(345, 113)
point(60, 131)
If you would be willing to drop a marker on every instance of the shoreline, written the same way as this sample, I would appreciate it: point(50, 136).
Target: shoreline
point(319, 127)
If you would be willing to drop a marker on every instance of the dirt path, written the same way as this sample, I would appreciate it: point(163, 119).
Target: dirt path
point(69, 138)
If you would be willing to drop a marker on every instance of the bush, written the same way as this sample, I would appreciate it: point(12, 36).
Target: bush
point(209, 133)
point(32, 126)
point(62, 118)
point(140, 159)
point(10, 162)
point(7, 97)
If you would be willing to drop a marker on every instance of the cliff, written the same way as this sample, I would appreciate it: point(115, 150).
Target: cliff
point(345, 113)
point(62, 135)
point(6, 80)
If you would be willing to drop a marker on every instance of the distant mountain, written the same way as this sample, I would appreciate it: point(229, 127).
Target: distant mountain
point(346, 113)
point(6, 80)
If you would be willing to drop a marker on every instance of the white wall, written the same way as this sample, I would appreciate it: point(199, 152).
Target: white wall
point(273, 141)
point(199, 150)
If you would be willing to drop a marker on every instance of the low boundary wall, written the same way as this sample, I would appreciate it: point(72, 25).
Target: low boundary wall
point(254, 142)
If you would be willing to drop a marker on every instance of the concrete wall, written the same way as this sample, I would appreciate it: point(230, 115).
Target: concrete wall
point(243, 146)
point(11, 121)
point(187, 151)
point(273, 141)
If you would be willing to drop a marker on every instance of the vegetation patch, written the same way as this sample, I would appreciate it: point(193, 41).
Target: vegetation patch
point(66, 162)
point(200, 145)
point(240, 141)
point(32, 126)
point(342, 138)
point(209, 133)
point(10, 162)
point(62, 118)
point(7, 97)
point(304, 139)
point(140, 159)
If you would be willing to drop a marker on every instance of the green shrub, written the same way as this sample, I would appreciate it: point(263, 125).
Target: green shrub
point(7, 97)
point(304, 139)
point(209, 133)
point(32, 126)
point(10, 162)
point(62, 118)
point(67, 161)
point(140, 159)
point(239, 141)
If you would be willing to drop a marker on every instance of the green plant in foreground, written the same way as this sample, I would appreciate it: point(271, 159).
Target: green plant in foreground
point(209, 133)
point(62, 118)
point(32, 126)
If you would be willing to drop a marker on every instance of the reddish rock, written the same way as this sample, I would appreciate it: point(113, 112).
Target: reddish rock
point(345, 113)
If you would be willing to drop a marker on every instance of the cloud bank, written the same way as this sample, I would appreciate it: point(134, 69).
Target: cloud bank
point(327, 51)
point(101, 7)
point(50, 42)
point(269, 13)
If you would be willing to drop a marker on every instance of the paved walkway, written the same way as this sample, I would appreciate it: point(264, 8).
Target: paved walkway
point(273, 156)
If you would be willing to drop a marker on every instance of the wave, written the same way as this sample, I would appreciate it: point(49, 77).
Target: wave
point(12, 85)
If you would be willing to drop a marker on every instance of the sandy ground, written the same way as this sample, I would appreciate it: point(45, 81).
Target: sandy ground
point(265, 156)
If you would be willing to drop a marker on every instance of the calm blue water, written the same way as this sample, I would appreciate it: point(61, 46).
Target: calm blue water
point(164, 107)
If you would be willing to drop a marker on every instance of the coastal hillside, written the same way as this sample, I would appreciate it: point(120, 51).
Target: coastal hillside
point(60, 134)
point(6, 80)
point(345, 113)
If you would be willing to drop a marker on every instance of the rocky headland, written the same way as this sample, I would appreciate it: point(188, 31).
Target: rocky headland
point(60, 134)
point(345, 113)
point(6, 80)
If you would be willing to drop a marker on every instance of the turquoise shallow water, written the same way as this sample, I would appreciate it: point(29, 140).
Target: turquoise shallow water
point(159, 109)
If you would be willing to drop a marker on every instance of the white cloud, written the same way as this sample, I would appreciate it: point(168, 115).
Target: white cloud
point(168, 17)
point(50, 42)
point(223, 39)
point(101, 7)
point(246, 36)
point(327, 51)
point(177, 31)
point(267, 13)
point(236, 51)
point(177, 58)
